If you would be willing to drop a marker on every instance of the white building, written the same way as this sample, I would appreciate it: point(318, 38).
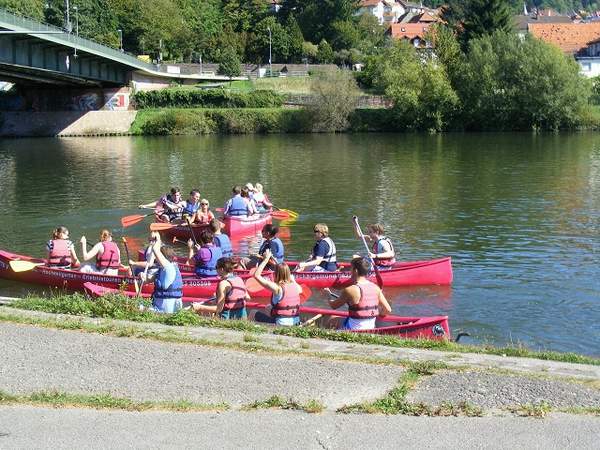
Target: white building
point(386, 11)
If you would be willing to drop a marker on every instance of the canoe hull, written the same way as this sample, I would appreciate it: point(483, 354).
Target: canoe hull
point(435, 327)
point(246, 226)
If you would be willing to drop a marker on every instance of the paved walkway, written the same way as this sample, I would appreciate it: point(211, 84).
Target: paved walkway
point(30, 428)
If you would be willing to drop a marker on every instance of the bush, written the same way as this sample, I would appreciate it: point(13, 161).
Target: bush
point(335, 96)
point(212, 98)
point(225, 121)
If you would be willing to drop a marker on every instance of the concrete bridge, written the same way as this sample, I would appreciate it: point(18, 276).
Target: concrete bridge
point(36, 54)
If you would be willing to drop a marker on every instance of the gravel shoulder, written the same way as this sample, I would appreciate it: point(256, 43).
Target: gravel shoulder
point(24, 427)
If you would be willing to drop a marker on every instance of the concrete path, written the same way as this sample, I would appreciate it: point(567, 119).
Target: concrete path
point(24, 427)
point(36, 359)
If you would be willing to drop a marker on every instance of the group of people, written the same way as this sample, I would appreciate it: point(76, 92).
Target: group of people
point(245, 200)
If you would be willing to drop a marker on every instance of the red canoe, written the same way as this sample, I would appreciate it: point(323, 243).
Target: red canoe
point(73, 280)
point(246, 226)
point(435, 327)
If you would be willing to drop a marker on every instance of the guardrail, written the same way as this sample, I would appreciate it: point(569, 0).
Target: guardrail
point(13, 22)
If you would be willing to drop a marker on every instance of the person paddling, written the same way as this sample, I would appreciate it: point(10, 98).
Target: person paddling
point(61, 251)
point(106, 252)
point(168, 284)
point(236, 205)
point(285, 294)
point(382, 252)
point(168, 208)
point(192, 205)
point(365, 299)
point(261, 199)
point(205, 255)
point(221, 240)
point(231, 294)
point(323, 257)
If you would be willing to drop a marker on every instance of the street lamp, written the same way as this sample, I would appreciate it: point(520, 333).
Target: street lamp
point(270, 46)
point(120, 39)
point(68, 25)
point(76, 9)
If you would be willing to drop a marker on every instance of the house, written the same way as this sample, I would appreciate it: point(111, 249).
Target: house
point(386, 11)
point(415, 33)
point(581, 40)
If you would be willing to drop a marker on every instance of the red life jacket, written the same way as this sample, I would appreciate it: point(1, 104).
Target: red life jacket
point(378, 249)
point(60, 255)
point(236, 297)
point(110, 258)
point(367, 307)
point(289, 303)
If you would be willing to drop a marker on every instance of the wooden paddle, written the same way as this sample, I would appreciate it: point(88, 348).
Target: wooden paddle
point(362, 236)
point(135, 284)
point(310, 321)
point(128, 221)
point(24, 266)
point(189, 224)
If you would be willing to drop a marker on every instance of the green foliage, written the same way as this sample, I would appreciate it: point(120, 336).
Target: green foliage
point(512, 84)
point(324, 52)
point(485, 17)
point(595, 98)
point(229, 63)
point(257, 49)
point(209, 98)
point(29, 8)
point(334, 98)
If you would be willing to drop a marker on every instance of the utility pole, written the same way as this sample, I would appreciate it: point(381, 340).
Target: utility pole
point(76, 27)
point(120, 39)
point(201, 64)
point(270, 46)
point(68, 25)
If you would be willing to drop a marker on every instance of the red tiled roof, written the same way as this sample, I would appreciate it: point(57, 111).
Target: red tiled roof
point(569, 37)
point(408, 30)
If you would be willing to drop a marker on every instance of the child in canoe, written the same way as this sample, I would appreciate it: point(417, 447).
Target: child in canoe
point(285, 294)
point(382, 252)
point(231, 294)
point(61, 251)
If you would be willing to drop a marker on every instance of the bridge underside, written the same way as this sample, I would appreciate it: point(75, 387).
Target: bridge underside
point(28, 60)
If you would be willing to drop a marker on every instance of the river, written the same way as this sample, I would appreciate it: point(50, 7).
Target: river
point(518, 213)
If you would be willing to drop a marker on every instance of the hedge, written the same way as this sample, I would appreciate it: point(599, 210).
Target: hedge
point(210, 98)
point(247, 121)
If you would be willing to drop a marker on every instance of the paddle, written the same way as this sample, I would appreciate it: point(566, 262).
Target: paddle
point(135, 284)
point(128, 221)
point(362, 236)
point(162, 226)
point(24, 266)
point(280, 215)
point(191, 230)
point(312, 320)
point(289, 212)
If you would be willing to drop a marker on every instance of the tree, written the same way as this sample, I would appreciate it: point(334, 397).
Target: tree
point(345, 34)
point(296, 39)
point(484, 17)
point(334, 99)
point(514, 84)
point(243, 15)
point(29, 8)
point(257, 49)
point(324, 52)
point(229, 63)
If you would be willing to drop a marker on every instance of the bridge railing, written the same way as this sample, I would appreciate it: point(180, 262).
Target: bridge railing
point(18, 23)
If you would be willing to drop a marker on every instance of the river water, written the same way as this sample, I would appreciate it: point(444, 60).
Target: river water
point(518, 213)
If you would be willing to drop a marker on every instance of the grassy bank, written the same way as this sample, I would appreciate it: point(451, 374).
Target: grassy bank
point(118, 307)
point(196, 121)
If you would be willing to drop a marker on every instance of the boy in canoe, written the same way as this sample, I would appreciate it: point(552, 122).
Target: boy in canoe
point(365, 299)
point(221, 240)
point(192, 205)
point(323, 257)
point(271, 243)
point(382, 253)
point(168, 284)
point(231, 294)
point(205, 255)
point(168, 208)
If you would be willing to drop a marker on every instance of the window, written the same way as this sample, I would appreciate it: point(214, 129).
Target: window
point(586, 66)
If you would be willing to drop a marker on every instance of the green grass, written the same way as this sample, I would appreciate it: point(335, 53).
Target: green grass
point(285, 85)
point(277, 402)
point(122, 308)
point(539, 410)
point(103, 401)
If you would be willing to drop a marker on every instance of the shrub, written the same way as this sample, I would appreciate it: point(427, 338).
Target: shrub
point(212, 98)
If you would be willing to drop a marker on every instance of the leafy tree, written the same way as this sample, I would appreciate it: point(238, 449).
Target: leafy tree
point(243, 15)
point(257, 49)
point(30, 8)
point(296, 39)
point(335, 95)
point(324, 52)
point(229, 63)
point(310, 51)
point(345, 34)
point(372, 34)
point(509, 83)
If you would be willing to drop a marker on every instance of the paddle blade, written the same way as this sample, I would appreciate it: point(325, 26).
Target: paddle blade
point(292, 214)
point(157, 226)
point(23, 266)
point(305, 294)
point(128, 221)
point(253, 286)
point(284, 233)
point(280, 215)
